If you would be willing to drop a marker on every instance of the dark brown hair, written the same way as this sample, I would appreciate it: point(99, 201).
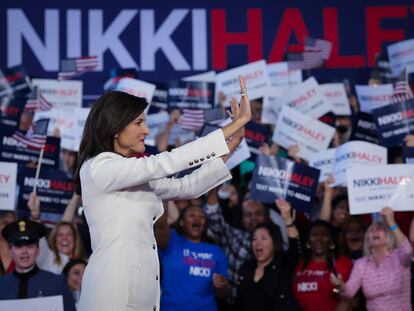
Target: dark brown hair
point(111, 113)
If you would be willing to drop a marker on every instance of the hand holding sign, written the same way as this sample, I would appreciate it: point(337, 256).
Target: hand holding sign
point(34, 206)
point(388, 215)
point(285, 210)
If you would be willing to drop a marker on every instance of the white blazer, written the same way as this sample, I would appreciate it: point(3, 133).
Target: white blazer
point(122, 199)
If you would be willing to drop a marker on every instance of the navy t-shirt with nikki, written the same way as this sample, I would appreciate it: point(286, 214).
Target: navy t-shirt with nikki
point(187, 274)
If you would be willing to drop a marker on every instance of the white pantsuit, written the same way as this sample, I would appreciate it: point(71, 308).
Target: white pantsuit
point(122, 199)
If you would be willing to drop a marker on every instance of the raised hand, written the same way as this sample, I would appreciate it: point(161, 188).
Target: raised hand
point(245, 110)
point(285, 210)
point(34, 206)
point(388, 215)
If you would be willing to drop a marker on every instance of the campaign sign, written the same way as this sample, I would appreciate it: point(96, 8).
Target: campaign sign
point(11, 109)
point(374, 96)
point(271, 105)
point(54, 189)
point(137, 88)
point(5, 89)
point(61, 94)
point(155, 123)
point(394, 122)
point(323, 161)
point(280, 75)
point(356, 154)
point(160, 97)
point(12, 150)
point(209, 76)
point(8, 176)
point(328, 118)
point(256, 134)
point(279, 178)
point(18, 80)
point(296, 128)
point(214, 115)
point(257, 81)
point(364, 128)
point(71, 136)
point(335, 95)
point(49, 303)
point(400, 54)
point(371, 188)
point(408, 154)
point(190, 94)
point(307, 98)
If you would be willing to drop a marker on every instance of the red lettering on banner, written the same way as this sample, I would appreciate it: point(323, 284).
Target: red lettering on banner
point(258, 137)
point(376, 35)
point(331, 33)
point(14, 77)
point(303, 98)
point(4, 179)
point(50, 148)
point(61, 185)
point(292, 22)
point(10, 110)
point(198, 92)
point(221, 39)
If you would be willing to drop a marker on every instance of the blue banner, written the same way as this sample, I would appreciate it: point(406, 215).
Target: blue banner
point(190, 94)
point(54, 189)
point(279, 178)
point(364, 128)
point(394, 122)
point(257, 134)
point(12, 150)
point(170, 40)
point(11, 110)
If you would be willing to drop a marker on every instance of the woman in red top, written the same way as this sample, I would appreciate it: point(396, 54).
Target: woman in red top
point(311, 282)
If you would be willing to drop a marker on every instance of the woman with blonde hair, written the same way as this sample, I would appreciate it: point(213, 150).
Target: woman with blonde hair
point(384, 272)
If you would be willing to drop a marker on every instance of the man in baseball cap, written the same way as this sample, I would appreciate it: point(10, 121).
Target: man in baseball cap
point(27, 280)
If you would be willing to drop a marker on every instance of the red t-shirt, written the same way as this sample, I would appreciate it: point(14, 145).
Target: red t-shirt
point(312, 287)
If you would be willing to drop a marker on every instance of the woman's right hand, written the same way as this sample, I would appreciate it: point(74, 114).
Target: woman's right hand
point(34, 206)
point(240, 113)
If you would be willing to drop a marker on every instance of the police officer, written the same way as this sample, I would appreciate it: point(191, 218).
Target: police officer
point(27, 280)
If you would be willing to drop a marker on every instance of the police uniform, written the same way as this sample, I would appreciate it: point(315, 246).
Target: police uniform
point(34, 283)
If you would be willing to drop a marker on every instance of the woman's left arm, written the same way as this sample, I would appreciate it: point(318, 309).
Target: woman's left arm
point(404, 248)
point(201, 180)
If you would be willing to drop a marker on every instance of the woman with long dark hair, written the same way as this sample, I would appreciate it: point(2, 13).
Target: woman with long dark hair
point(265, 281)
point(122, 195)
point(312, 286)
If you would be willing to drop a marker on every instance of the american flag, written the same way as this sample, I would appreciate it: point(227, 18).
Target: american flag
point(35, 136)
point(402, 92)
point(192, 119)
point(76, 66)
point(323, 47)
point(39, 103)
point(304, 61)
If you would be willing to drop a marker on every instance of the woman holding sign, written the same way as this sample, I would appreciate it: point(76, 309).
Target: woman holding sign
point(384, 272)
point(122, 195)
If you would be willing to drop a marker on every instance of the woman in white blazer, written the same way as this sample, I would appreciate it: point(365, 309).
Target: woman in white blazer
point(122, 196)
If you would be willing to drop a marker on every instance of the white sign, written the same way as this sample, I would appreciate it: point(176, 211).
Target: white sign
point(257, 81)
point(280, 75)
point(296, 128)
point(8, 175)
point(137, 88)
point(307, 98)
point(323, 161)
point(371, 188)
point(50, 303)
point(400, 54)
point(79, 118)
point(61, 94)
point(356, 154)
point(271, 106)
point(209, 76)
point(374, 96)
point(335, 95)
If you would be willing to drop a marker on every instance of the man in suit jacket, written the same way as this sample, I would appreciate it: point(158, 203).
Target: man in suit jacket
point(27, 280)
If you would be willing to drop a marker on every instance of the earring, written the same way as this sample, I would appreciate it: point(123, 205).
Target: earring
point(307, 245)
point(332, 247)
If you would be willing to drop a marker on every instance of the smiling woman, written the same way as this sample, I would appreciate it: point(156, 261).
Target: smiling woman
point(122, 195)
